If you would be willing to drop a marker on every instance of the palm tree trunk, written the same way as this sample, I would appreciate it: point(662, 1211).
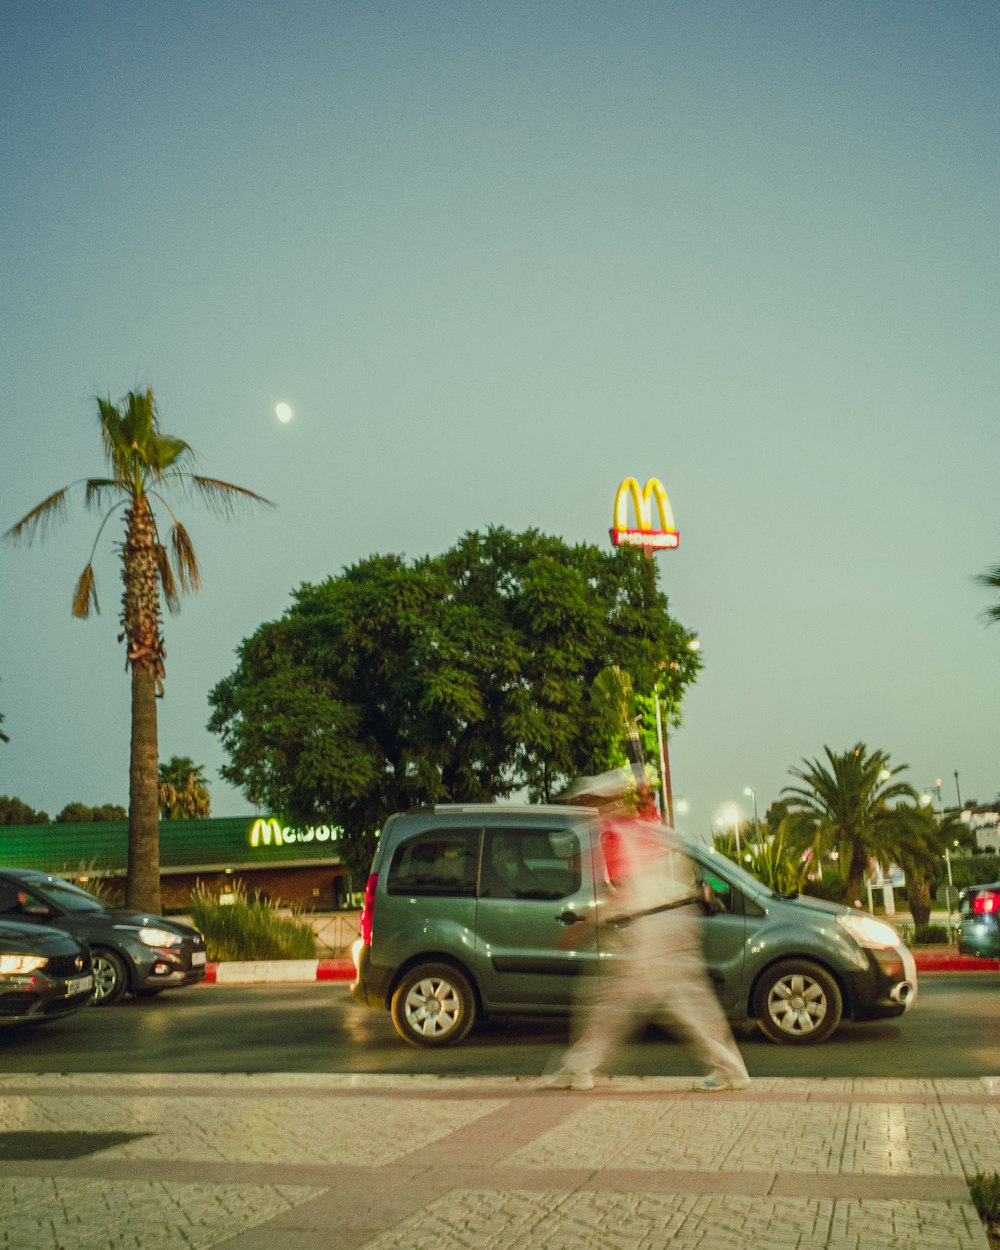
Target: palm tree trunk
point(918, 894)
point(856, 875)
point(141, 622)
point(143, 881)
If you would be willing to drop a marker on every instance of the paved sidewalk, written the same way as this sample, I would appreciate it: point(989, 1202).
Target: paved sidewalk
point(321, 1162)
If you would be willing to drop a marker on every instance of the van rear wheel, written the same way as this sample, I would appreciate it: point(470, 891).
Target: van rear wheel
point(797, 1001)
point(433, 1005)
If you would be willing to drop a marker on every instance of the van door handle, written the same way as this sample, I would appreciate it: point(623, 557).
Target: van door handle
point(569, 917)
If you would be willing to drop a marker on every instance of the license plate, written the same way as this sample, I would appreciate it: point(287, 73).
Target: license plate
point(197, 958)
point(79, 984)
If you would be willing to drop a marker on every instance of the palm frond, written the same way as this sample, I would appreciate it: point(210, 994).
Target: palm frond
point(97, 489)
point(991, 580)
point(225, 498)
point(171, 451)
point(49, 512)
point(139, 418)
point(85, 594)
point(112, 435)
point(167, 579)
point(185, 559)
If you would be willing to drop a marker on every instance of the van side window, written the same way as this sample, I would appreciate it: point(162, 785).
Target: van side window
point(530, 863)
point(440, 862)
point(725, 896)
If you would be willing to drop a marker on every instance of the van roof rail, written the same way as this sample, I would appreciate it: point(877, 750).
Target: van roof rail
point(511, 807)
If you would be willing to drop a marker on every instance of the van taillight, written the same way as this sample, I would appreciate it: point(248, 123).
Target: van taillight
point(365, 919)
point(987, 903)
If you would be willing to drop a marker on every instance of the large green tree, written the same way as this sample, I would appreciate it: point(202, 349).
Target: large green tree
point(142, 462)
point(852, 804)
point(462, 677)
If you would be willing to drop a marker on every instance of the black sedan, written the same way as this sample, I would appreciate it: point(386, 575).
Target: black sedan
point(132, 953)
point(44, 974)
point(979, 917)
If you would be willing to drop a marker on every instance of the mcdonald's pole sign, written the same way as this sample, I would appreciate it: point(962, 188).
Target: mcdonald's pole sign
point(643, 534)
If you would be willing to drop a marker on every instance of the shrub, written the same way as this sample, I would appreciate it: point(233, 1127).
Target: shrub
point(831, 886)
point(985, 1191)
point(930, 935)
point(249, 928)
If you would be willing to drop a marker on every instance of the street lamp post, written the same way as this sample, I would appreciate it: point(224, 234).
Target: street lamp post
point(947, 849)
point(756, 823)
point(662, 726)
point(666, 792)
point(734, 816)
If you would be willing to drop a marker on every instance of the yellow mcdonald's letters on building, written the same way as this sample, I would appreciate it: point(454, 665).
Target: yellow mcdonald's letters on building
point(643, 534)
point(264, 831)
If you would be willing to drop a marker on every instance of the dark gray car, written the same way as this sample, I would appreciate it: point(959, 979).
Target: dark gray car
point(133, 953)
point(44, 974)
point(465, 907)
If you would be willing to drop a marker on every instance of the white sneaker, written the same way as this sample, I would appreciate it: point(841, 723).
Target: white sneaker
point(714, 1083)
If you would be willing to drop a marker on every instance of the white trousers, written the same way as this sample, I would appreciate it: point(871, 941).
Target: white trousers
point(658, 976)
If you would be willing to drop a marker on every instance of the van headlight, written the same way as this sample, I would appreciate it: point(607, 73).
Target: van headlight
point(869, 932)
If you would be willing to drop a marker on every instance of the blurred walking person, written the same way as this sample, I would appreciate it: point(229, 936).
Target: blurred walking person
point(649, 925)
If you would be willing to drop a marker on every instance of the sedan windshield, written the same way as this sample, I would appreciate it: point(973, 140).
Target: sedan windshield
point(68, 897)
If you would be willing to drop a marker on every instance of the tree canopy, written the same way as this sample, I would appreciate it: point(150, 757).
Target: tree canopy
point(183, 789)
point(82, 814)
point(853, 805)
point(14, 812)
point(460, 677)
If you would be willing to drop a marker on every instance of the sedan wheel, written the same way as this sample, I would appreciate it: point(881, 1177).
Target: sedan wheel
point(110, 978)
point(433, 1006)
point(798, 1002)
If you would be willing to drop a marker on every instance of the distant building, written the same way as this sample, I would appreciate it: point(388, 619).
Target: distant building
point(291, 866)
point(984, 821)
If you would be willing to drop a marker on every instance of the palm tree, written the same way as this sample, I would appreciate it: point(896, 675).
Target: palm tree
point(142, 461)
point(926, 840)
point(846, 807)
point(183, 792)
point(991, 579)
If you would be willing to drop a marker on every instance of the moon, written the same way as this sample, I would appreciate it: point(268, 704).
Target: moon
point(283, 412)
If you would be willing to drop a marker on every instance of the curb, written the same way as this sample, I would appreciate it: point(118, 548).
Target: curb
point(276, 971)
point(261, 971)
point(955, 963)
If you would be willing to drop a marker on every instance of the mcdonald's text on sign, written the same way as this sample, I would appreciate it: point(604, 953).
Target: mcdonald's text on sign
point(265, 830)
point(643, 534)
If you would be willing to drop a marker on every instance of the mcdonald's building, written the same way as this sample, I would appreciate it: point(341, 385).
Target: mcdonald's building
point(291, 866)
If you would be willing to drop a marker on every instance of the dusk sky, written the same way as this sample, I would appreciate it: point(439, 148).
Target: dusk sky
point(497, 258)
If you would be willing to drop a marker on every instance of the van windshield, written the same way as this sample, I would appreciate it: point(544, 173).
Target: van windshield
point(713, 859)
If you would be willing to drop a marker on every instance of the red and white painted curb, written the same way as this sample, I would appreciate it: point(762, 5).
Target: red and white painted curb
point(258, 971)
point(264, 971)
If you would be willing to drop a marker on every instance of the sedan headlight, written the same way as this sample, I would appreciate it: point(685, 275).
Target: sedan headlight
point(159, 937)
point(13, 964)
point(869, 932)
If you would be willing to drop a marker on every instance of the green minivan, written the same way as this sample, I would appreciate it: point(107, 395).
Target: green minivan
point(465, 907)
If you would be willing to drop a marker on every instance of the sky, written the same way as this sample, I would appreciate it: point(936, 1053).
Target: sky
point(497, 258)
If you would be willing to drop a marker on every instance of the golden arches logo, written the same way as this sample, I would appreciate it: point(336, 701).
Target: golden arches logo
point(642, 497)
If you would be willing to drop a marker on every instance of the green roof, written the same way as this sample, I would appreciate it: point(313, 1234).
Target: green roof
point(185, 845)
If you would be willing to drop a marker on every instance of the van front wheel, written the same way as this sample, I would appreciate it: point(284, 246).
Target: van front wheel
point(433, 1006)
point(797, 1001)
